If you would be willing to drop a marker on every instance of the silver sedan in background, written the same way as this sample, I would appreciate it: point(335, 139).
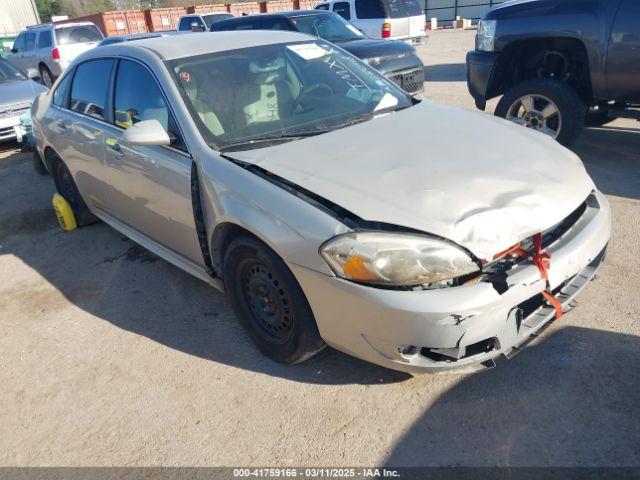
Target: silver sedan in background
point(17, 93)
point(282, 170)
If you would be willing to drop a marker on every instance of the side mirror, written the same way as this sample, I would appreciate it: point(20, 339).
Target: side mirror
point(33, 74)
point(146, 133)
point(14, 50)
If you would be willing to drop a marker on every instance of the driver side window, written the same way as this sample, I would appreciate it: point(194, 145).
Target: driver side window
point(138, 97)
point(18, 45)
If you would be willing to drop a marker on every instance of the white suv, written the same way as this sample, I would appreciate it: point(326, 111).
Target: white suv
point(196, 22)
point(49, 48)
point(393, 19)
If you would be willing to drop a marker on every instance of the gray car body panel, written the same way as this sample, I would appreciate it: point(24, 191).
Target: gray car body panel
point(19, 92)
point(16, 96)
point(385, 181)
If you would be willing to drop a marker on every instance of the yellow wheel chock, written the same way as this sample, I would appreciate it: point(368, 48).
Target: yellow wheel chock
point(66, 218)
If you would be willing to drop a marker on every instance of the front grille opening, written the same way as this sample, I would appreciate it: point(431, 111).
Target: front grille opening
point(495, 271)
point(410, 81)
point(452, 355)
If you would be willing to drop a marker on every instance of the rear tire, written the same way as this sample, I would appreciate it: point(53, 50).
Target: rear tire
point(46, 76)
point(570, 109)
point(66, 186)
point(269, 302)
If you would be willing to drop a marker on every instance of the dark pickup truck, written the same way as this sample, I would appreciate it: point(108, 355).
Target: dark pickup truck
point(559, 64)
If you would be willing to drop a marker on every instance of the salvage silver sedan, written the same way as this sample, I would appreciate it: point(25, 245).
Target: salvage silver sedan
point(329, 205)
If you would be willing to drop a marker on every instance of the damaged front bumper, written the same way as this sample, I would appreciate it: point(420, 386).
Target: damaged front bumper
point(459, 328)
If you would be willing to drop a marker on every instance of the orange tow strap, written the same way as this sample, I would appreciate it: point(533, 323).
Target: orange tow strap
point(542, 260)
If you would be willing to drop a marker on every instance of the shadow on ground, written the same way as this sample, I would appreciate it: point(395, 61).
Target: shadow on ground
point(612, 158)
point(110, 277)
point(447, 72)
point(557, 403)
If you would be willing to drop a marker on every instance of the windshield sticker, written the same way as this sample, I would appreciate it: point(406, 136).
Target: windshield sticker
point(309, 51)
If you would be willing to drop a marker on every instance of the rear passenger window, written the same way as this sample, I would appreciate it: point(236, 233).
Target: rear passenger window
point(90, 87)
point(30, 41)
point(369, 9)
point(61, 90)
point(44, 39)
point(322, 6)
point(139, 98)
point(343, 9)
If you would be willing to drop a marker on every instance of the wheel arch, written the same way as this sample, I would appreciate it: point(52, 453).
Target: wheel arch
point(554, 57)
point(49, 156)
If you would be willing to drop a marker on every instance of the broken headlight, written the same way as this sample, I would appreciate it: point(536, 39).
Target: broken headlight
point(395, 259)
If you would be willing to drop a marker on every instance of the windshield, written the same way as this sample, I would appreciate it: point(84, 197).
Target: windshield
point(9, 73)
point(330, 27)
point(79, 34)
point(284, 89)
point(215, 17)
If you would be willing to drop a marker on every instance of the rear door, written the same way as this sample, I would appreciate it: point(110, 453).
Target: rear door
point(150, 186)
point(623, 57)
point(44, 46)
point(81, 125)
point(74, 40)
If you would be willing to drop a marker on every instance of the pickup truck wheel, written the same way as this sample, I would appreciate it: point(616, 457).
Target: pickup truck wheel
point(66, 187)
point(269, 302)
point(546, 105)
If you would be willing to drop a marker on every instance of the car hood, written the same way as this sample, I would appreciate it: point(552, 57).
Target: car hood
point(369, 48)
point(477, 180)
point(14, 93)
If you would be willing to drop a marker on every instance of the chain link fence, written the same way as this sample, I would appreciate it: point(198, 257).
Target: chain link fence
point(447, 10)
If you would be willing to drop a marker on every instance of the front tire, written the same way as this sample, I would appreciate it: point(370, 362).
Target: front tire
point(546, 105)
point(269, 302)
point(66, 186)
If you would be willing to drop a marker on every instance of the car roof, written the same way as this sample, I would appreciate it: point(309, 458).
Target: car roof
point(74, 24)
point(180, 46)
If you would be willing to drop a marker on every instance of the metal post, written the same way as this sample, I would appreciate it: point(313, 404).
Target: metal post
point(455, 10)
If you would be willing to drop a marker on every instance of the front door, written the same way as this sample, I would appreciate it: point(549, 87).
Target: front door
point(151, 185)
point(17, 51)
point(623, 56)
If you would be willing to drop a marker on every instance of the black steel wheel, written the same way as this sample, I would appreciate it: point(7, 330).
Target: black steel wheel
point(269, 302)
point(66, 186)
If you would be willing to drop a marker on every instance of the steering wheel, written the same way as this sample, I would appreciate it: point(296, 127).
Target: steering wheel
point(312, 95)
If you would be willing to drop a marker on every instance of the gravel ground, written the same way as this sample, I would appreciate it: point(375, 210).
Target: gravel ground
point(111, 356)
